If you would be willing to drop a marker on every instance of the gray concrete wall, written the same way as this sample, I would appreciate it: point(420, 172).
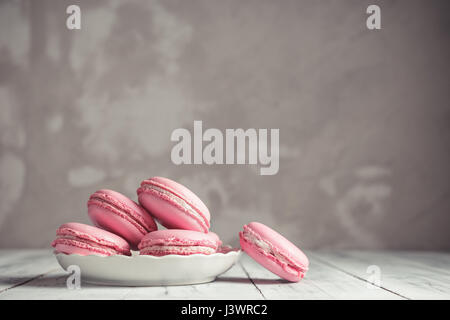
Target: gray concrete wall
point(364, 116)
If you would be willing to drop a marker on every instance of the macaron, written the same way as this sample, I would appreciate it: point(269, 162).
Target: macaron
point(173, 205)
point(119, 214)
point(179, 242)
point(82, 239)
point(273, 251)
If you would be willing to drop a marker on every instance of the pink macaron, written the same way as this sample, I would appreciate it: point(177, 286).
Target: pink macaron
point(117, 213)
point(82, 239)
point(273, 251)
point(173, 205)
point(180, 242)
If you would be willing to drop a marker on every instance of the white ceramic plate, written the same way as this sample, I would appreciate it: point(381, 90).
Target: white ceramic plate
point(137, 270)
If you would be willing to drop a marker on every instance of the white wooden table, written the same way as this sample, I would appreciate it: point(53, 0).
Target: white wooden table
point(35, 274)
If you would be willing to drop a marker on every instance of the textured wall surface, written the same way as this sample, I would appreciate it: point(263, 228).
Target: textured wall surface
point(364, 116)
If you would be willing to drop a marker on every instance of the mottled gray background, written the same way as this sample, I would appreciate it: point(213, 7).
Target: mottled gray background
point(364, 116)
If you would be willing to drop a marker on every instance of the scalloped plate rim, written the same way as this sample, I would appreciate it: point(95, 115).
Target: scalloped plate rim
point(150, 270)
point(138, 256)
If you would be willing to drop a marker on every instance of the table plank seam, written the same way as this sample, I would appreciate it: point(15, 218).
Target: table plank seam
point(251, 280)
point(335, 275)
point(359, 278)
point(27, 281)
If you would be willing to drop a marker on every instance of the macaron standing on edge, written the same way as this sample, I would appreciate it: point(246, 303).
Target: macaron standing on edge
point(119, 214)
point(82, 239)
point(273, 251)
point(179, 242)
point(173, 205)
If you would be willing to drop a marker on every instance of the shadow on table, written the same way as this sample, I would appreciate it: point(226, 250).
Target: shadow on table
point(257, 281)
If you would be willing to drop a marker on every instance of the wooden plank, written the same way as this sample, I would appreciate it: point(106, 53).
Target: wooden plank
point(20, 266)
point(53, 286)
point(321, 282)
point(405, 276)
point(234, 284)
point(35, 274)
point(6, 255)
point(438, 262)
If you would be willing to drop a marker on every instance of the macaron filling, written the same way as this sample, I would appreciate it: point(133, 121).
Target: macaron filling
point(159, 250)
point(99, 201)
point(179, 202)
point(83, 239)
point(83, 243)
point(268, 249)
point(177, 241)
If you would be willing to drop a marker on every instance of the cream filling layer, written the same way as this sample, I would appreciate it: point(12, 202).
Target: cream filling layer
point(88, 242)
point(250, 237)
point(140, 225)
point(157, 248)
point(176, 199)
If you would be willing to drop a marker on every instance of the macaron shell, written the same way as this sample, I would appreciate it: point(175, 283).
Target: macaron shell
point(174, 237)
point(273, 251)
point(83, 239)
point(114, 223)
point(168, 214)
point(216, 237)
point(283, 245)
point(183, 251)
point(168, 211)
point(73, 247)
point(179, 242)
point(117, 213)
point(128, 206)
point(269, 262)
point(183, 193)
point(94, 234)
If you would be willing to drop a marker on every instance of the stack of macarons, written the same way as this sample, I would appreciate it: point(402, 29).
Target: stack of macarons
point(122, 225)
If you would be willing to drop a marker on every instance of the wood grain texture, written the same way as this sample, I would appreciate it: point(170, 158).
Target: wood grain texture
point(18, 267)
point(35, 274)
point(320, 282)
point(407, 274)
